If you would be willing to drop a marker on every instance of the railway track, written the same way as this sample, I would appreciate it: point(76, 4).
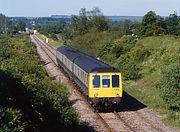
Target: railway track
point(109, 120)
point(128, 121)
point(142, 116)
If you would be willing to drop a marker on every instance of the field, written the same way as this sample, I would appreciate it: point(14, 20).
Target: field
point(163, 51)
point(141, 62)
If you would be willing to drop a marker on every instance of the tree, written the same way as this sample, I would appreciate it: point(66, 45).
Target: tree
point(151, 25)
point(178, 28)
point(87, 20)
point(100, 23)
point(67, 34)
point(98, 20)
point(172, 24)
point(52, 28)
point(6, 26)
point(12, 30)
point(21, 25)
point(149, 19)
point(4, 23)
point(127, 27)
point(79, 24)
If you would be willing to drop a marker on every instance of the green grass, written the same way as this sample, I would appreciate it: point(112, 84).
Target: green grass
point(163, 51)
point(51, 41)
point(140, 60)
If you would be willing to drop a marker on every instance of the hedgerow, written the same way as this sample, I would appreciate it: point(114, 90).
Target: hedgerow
point(11, 120)
point(29, 100)
point(170, 85)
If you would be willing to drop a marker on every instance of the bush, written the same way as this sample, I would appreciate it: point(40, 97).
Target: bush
point(10, 121)
point(53, 36)
point(170, 85)
point(25, 87)
point(129, 68)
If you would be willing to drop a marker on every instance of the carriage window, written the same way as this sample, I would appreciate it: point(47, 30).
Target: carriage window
point(115, 80)
point(106, 81)
point(96, 81)
point(78, 71)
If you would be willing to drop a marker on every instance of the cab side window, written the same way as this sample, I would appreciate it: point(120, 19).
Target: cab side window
point(96, 81)
point(106, 81)
point(115, 81)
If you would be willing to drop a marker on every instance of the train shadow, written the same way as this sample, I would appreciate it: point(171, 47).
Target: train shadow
point(128, 103)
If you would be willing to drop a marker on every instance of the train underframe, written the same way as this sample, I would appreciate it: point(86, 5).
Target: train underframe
point(105, 101)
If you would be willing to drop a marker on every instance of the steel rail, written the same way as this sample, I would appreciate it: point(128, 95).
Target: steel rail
point(79, 93)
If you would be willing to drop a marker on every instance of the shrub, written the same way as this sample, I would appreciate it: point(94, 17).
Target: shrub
point(24, 86)
point(53, 36)
point(140, 53)
point(10, 121)
point(170, 85)
point(129, 67)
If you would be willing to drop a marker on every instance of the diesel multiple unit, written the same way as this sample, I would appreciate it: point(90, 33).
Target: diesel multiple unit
point(101, 83)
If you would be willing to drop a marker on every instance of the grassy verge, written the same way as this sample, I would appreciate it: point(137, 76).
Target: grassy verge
point(163, 51)
point(150, 96)
point(51, 41)
point(141, 62)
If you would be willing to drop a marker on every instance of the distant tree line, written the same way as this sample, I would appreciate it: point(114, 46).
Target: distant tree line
point(51, 29)
point(153, 25)
point(86, 22)
point(80, 25)
point(8, 28)
point(94, 20)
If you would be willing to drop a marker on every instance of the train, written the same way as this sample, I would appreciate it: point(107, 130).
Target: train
point(98, 81)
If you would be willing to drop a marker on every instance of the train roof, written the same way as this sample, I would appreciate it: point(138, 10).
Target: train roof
point(86, 62)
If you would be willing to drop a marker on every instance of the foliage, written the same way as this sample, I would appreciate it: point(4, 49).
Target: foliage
point(67, 34)
point(114, 47)
point(139, 60)
point(130, 61)
point(52, 28)
point(138, 49)
point(85, 22)
point(4, 24)
point(53, 36)
point(107, 47)
point(129, 68)
point(170, 85)
point(9, 28)
point(172, 24)
point(11, 121)
point(154, 25)
point(21, 26)
point(37, 103)
point(93, 42)
point(151, 25)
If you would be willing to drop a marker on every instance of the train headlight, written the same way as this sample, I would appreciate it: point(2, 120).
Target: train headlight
point(96, 95)
point(117, 94)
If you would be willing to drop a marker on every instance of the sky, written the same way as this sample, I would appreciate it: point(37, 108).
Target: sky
point(45, 8)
